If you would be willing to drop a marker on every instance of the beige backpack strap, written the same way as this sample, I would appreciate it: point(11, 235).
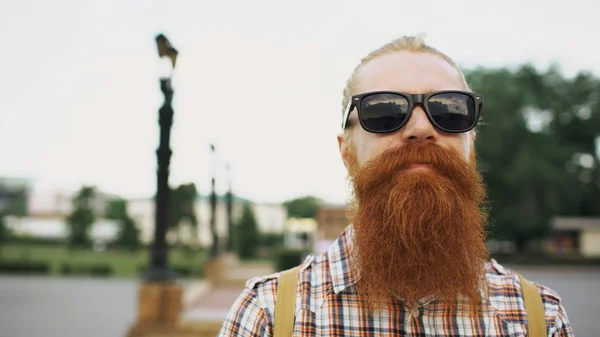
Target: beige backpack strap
point(536, 320)
point(285, 304)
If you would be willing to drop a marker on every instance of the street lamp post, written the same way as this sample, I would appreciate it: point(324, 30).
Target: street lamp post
point(214, 251)
point(159, 295)
point(229, 204)
point(159, 270)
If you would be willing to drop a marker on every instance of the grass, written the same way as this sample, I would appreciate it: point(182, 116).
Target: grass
point(124, 263)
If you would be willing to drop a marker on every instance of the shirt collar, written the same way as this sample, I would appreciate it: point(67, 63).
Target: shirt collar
point(338, 255)
point(494, 266)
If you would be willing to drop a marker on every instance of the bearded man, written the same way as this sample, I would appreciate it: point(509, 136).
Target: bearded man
point(413, 261)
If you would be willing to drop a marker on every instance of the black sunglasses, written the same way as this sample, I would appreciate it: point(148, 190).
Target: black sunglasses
point(452, 111)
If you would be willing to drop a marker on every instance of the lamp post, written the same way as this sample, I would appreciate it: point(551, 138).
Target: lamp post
point(229, 204)
point(214, 251)
point(160, 296)
point(159, 270)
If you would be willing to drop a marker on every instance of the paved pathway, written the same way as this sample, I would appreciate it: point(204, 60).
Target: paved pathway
point(53, 307)
point(214, 305)
point(580, 290)
point(204, 302)
point(75, 307)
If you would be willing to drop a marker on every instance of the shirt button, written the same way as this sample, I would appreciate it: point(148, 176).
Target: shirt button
point(415, 312)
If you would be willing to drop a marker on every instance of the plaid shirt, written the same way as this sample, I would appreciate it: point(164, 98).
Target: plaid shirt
point(326, 305)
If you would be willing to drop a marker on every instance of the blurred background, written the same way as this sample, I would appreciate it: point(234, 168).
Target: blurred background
point(255, 181)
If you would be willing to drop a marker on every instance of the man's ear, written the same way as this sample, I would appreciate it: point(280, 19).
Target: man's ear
point(343, 143)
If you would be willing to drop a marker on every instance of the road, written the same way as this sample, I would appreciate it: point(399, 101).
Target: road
point(580, 290)
point(70, 307)
point(53, 307)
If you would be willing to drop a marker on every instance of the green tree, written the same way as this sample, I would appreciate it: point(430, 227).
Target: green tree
point(181, 210)
point(128, 235)
point(248, 234)
point(4, 232)
point(538, 148)
point(18, 204)
point(116, 209)
point(303, 207)
point(82, 218)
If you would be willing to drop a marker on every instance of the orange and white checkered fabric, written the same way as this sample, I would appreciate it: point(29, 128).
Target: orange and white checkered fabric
point(327, 305)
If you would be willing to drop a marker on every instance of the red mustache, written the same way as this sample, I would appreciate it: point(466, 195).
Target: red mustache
point(397, 159)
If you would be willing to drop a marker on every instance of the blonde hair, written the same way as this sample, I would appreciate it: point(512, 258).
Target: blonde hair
point(404, 43)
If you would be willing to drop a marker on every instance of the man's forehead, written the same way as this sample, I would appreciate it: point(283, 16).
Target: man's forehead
point(410, 72)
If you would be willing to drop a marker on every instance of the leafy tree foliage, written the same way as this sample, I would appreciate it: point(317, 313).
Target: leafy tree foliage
point(4, 231)
point(247, 234)
point(82, 218)
point(15, 205)
point(181, 207)
point(303, 207)
point(539, 148)
point(128, 235)
point(18, 204)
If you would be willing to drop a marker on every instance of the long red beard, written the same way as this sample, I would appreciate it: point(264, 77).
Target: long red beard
point(418, 232)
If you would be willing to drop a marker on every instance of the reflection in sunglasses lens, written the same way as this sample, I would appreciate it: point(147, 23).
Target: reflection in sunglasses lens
point(452, 111)
point(383, 112)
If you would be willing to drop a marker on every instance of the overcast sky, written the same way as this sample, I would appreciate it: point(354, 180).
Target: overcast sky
point(262, 79)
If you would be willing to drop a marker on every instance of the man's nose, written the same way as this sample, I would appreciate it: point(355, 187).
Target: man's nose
point(418, 128)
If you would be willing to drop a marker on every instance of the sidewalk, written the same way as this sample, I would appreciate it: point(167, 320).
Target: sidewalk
point(206, 303)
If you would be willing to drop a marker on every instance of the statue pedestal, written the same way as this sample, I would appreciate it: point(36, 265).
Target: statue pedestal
point(163, 311)
point(159, 308)
point(230, 259)
point(215, 270)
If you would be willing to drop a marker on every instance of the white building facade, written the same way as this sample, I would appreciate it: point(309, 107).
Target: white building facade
point(48, 210)
point(270, 218)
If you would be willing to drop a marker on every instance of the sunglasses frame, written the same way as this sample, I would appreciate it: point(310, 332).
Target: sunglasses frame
point(413, 99)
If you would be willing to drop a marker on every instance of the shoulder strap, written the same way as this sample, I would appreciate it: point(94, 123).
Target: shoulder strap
point(536, 320)
point(285, 303)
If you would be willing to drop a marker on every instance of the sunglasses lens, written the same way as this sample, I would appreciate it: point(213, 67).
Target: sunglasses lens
point(452, 111)
point(383, 112)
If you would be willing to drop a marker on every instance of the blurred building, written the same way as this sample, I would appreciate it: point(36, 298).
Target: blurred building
point(300, 233)
point(102, 232)
point(50, 203)
point(580, 236)
point(58, 203)
point(331, 222)
point(14, 195)
point(270, 218)
point(46, 212)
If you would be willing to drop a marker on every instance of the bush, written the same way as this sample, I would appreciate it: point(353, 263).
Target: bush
point(185, 271)
point(181, 270)
point(86, 269)
point(287, 258)
point(41, 241)
point(24, 267)
point(271, 240)
point(269, 245)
